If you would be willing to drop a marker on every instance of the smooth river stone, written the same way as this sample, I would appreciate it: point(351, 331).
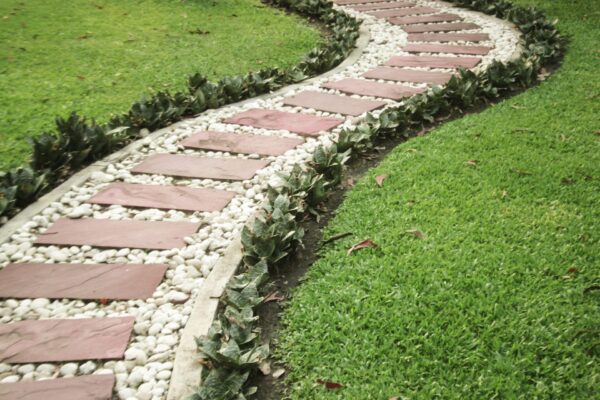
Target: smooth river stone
point(332, 103)
point(408, 75)
point(365, 87)
point(58, 340)
point(302, 124)
point(163, 197)
point(80, 281)
point(433, 62)
point(241, 143)
point(230, 169)
point(155, 235)
point(90, 387)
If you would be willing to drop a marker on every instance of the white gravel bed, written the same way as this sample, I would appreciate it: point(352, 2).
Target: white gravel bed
point(146, 370)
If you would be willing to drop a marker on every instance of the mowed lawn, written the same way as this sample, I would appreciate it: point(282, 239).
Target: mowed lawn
point(97, 57)
point(488, 228)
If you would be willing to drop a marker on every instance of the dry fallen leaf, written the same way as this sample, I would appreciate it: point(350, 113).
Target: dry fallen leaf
point(572, 270)
point(103, 301)
point(362, 245)
point(394, 398)
point(597, 132)
point(471, 162)
point(274, 296)
point(379, 180)
point(330, 385)
point(416, 233)
point(504, 194)
point(350, 182)
point(278, 373)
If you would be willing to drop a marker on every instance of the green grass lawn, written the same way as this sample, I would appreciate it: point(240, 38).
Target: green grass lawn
point(490, 302)
point(98, 57)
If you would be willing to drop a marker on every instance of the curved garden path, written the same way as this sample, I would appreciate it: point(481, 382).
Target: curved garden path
point(97, 287)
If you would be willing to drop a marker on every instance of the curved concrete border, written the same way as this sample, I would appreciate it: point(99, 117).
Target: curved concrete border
point(185, 377)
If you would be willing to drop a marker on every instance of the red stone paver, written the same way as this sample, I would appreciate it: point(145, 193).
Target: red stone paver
point(158, 235)
point(56, 340)
point(454, 26)
point(448, 37)
point(382, 6)
point(347, 2)
point(402, 12)
point(365, 87)
point(80, 281)
point(408, 75)
point(433, 61)
point(332, 103)
point(232, 169)
point(422, 19)
point(445, 48)
point(91, 387)
point(163, 197)
point(302, 124)
point(241, 143)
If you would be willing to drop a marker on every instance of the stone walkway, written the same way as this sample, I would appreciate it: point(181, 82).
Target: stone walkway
point(89, 253)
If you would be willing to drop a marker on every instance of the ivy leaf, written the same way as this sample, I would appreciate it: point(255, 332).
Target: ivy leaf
point(362, 245)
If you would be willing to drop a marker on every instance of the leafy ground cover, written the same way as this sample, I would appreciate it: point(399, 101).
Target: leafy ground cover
point(98, 57)
point(488, 236)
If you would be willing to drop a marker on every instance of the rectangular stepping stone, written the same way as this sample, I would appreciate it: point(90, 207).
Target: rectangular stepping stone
point(382, 6)
point(422, 19)
point(332, 103)
point(347, 2)
point(403, 12)
point(365, 87)
point(157, 235)
point(231, 169)
point(433, 61)
point(90, 387)
point(80, 281)
point(302, 124)
point(163, 197)
point(454, 26)
point(445, 48)
point(57, 340)
point(241, 143)
point(448, 37)
point(408, 75)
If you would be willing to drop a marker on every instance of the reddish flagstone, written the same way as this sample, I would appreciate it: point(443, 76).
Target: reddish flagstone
point(332, 103)
point(455, 26)
point(241, 143)
point(382, 6)
point(57, 340)
point(422, 19)
point(408, 75)
point(80, 281)
point(164, 197)
point(346, 2)
point(402, 12)
point(232, 169)
point(303, 124)
point(90, 387)
point(158, 235)
point(445, 48)
point(433, 61)
point(448, 37)
point(365, 87)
